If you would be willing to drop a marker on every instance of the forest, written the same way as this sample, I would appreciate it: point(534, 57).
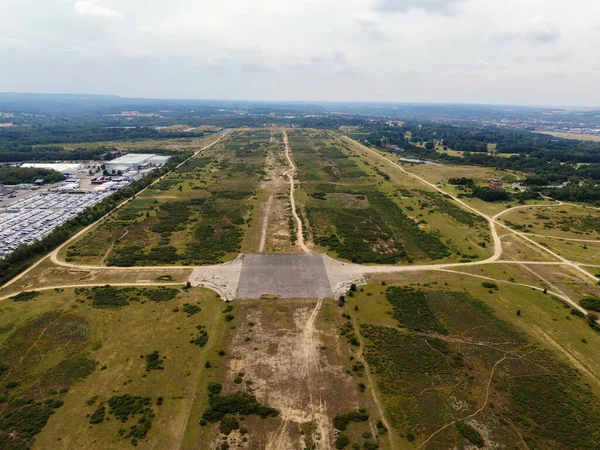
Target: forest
point(16, 175)
point(547, 160)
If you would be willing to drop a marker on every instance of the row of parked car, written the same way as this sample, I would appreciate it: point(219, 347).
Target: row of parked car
point(33, 217)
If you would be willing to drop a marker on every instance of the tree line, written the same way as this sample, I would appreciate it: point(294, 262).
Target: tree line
point(16, 175)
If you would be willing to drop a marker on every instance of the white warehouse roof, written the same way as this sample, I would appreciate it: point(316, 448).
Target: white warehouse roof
point(132, 158)
point(159, 160)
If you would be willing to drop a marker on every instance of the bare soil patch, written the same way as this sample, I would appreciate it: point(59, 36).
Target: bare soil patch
point(289, 354)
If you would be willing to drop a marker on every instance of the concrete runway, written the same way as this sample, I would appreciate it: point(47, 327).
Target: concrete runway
point(286, 276)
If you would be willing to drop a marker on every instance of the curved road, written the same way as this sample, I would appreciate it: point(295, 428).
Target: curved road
point(492, 220)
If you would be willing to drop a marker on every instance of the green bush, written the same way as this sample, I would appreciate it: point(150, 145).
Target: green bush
point(190, 309)
point(24, 419)
point(25, 296)
point(240, 402)
point(412, 309)
point(98, 415)
point(214, 388)
point(161, 294)
point(124, 406)
point(108, 297)
point(590, 303)
point(470, 434)
point(370, 445)
point(342, 441)
point(154, 361)
point(576, 312)
point(53, 403)
point(202, 338)
point(341, 422)
point(228, 424)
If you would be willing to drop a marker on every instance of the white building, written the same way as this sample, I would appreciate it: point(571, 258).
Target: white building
point(134, 161)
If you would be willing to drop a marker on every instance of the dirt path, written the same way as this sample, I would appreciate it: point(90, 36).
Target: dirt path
point(222, 277)
point(484, 403)
point(557, 292)
point(265, 225)
point(525, 236)
point(317, 406)
point(105, 257)
point(191, 396)
point(290, 175)
point(492, 220)
point(372, 390)
point(545, 236)
point(24, 355)
point(565, 261)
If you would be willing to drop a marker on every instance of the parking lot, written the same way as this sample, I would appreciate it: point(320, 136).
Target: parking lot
point(38, 213)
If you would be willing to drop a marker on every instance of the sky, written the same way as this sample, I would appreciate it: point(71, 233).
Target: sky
point(522, 52)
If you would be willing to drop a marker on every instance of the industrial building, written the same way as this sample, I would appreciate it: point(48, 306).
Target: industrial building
point(134, 161)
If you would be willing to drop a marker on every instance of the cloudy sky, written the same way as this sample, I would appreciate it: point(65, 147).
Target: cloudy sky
point(532, 52)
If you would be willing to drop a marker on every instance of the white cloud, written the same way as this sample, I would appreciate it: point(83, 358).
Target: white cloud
point(8, 42)
point(432, 6)
point(539, 30)
point(387, 50)
point(485, 64)
point(88, 8)
point(520, 57)
point(542, 31)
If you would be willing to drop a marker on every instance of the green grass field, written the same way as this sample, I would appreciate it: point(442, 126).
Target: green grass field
point(183, 144)
point(565, 221)
point(583, 252)
point(68, 354)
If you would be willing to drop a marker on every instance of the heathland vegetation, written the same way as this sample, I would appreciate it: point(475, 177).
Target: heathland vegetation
point(196, 215)
point(166, 366)
point(74, 372)
point(365, 213)
point(451, 373)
